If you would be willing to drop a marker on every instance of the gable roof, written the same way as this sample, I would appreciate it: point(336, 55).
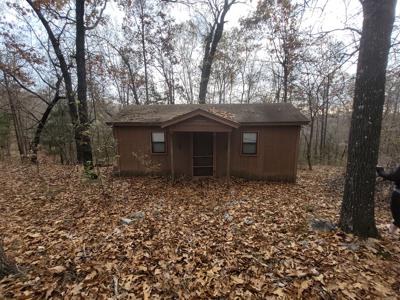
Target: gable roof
point(260, 113)
point(203, 113)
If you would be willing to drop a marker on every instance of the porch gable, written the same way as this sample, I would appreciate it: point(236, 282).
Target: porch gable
point(200, 120)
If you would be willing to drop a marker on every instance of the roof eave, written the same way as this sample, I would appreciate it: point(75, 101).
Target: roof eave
point(160, 124)
point(132, 123)
point(200, 112)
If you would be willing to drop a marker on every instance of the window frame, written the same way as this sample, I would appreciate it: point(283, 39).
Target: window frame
point(152, 142)
point(242, 143)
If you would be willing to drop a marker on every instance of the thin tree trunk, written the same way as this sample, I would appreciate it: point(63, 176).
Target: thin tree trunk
point(324, 121)
point(285, 80)
point(40, 126)
point(85, 147)
point(22, 147)
point(132, 78)
point(309, 145)
point(146, 81)
point(357, 212)
point(317, 120)
point(278, 87)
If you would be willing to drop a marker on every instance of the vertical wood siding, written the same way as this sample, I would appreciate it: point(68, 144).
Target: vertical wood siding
point(276, 158)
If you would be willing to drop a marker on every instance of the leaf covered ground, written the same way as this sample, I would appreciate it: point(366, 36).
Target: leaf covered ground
point(202, 239)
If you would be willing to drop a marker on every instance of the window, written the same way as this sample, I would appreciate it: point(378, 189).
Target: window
point(249, 143)
point(158, 142)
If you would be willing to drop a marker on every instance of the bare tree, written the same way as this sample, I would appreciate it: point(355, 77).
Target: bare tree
point(280, 22)
point(65, 71)
point(215, 30)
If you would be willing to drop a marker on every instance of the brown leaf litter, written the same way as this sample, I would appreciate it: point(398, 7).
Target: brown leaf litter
point(201, 239)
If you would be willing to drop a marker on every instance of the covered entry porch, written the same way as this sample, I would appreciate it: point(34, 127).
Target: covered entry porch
point(200, 154)
point(200, 145)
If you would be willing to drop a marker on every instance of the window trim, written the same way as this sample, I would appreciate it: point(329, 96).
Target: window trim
point(165, 143)
point(242, 143)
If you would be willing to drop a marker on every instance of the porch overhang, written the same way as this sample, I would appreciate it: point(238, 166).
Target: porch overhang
point(200, 120)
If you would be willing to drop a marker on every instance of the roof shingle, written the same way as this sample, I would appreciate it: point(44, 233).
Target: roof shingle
point(241, 113)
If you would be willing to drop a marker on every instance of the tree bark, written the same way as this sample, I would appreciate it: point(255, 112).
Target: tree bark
point(309, 144)
point(357, 212)
point(285, 78)
point(40, 126)
point(210, 49)
point(143, 40)
point(19, 133)
point(65, 73)
point(85, 148)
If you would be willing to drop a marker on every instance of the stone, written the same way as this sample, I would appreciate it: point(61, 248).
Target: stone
point(304, 243)
point(139, 215)
point(351, 246)
point(126, 221)
point(228, 217)
point(248, 221)
point(322, 225)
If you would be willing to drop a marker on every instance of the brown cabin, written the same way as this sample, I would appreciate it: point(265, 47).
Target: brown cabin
point(259, 141)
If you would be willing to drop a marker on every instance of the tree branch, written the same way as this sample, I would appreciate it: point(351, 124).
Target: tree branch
point(98, 19)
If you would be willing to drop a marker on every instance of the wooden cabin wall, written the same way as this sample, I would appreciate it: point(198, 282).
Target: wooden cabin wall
point(276, 157)
point(135, 155)
point(221, 154)
point(277, 152)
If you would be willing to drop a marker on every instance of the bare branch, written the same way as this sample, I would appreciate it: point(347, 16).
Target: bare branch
point(98, 19)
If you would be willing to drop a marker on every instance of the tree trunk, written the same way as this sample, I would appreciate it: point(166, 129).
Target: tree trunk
point(143, 40)
point(309, 144)
point(65, 73)
point(206, 68)
point(317, 120)
point(285, 78)
point(357, 212)
point(84, 147)
point(19, 133)
point(40, 126)
point(324, 120)
point(210, 49)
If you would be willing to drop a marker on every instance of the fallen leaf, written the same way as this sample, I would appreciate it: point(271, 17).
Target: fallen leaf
point(57, 269)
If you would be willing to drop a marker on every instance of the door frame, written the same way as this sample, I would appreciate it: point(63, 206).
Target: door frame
point(214, 164)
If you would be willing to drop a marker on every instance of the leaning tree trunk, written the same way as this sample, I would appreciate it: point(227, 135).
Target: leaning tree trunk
point(357, 212)
point(40, 126)
point(212, 41)
point(65, 74)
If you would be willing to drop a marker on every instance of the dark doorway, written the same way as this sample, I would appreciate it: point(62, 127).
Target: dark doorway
point(203, 149)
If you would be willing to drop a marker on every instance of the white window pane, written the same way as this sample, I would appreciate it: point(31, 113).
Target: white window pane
point(249, 137)
point(158, 137)
point(249, 148)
